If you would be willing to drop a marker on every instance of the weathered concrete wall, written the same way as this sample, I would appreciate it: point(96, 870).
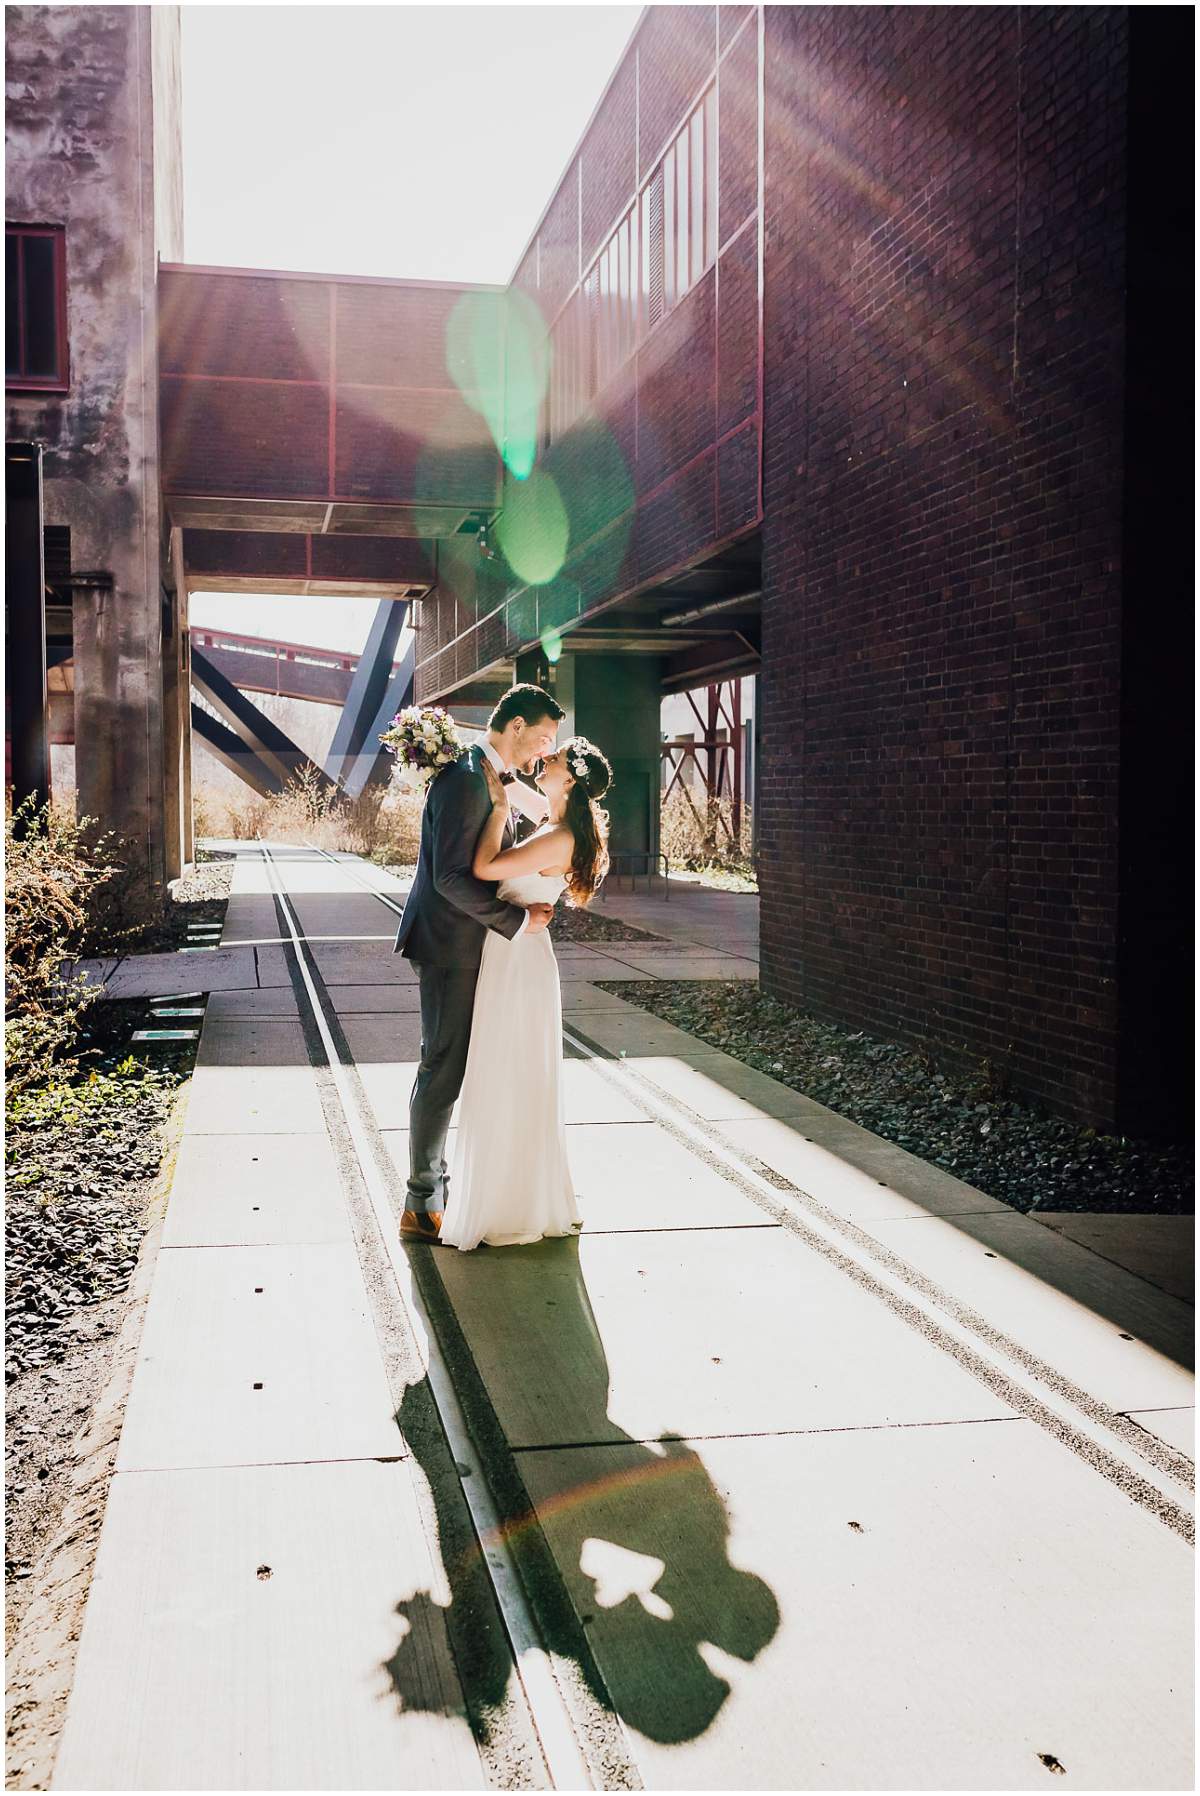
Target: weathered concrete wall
point(81, 125)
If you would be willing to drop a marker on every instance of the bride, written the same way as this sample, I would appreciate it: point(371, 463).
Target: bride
point(511, 1182)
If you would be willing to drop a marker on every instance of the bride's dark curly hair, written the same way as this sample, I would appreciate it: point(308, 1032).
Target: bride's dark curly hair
point(586, 821)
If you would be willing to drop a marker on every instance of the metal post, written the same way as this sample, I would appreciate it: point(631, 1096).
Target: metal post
point(25, 618)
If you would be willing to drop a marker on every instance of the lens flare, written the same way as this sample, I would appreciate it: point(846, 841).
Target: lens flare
point(532, 530)
point(498, 356)
point(552, 645)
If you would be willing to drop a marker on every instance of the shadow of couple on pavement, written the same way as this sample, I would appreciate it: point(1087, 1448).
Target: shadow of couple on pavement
point(622, 1544)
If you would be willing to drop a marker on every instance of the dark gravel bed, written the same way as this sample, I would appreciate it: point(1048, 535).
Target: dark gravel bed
point(1009, 1148)
point(83, 1155)
point(79, 1157)
point(570, 925)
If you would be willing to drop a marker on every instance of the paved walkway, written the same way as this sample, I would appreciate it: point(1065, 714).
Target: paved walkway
point(815, 1467)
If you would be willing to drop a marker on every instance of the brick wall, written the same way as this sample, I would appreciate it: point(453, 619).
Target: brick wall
point(942, 545)
point(663, 468)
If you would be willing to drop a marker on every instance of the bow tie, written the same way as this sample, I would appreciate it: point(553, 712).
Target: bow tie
point(506, 779)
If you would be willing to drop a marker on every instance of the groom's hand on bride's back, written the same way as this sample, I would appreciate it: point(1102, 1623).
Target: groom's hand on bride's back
point(539, 916)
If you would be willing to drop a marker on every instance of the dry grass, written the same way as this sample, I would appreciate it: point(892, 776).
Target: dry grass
point(698, 835)
point(381, 825)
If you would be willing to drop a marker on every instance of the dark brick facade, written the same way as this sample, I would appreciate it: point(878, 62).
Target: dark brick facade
point(943, 572)
point(663, 468)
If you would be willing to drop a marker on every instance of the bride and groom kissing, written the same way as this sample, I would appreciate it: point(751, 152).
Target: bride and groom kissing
point(495, 857)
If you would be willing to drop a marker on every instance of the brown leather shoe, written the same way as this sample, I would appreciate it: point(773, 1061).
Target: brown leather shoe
point(420, 1225)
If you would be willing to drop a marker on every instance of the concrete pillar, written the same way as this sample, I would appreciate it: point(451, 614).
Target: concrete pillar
point(25, 617)
point(172, 809)
point(188, 844)
point(618, 700)
point(177, 713)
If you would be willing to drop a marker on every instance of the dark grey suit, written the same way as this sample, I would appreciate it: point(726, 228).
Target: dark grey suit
point(442, 931)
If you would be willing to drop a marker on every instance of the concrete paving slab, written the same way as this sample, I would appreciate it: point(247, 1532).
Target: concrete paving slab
point(252, 917)
point(693, 913)
point(252, 1041)
point(681, 966)
point(592, 965)
point(152, 975)
point(1160, 1249)
point(248, 1190)
point(383, 1039)
point(276, 1002)
point(854, 1172)
point(361, 963)
point(392, 999)
point(259, 1100)
point(252, 1355)
point(705, 1332)
point(633, 1177)
point(579, 995)
point(266, 1628)
point(93, 971)
point(1175, 1426)
point(1061, 1301)
point(719, 1088)
point(637, 1032)
point(587, 1099)
point(797, 1613)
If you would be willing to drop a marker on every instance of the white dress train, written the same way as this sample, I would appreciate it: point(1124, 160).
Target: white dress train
point(510, 1181)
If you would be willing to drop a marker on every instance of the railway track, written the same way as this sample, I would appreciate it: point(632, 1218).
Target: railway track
point(580, 1738)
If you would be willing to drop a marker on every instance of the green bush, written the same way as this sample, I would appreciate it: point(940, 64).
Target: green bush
point(53, 877)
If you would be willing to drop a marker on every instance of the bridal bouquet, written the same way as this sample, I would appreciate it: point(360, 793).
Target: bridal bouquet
point(423, 741)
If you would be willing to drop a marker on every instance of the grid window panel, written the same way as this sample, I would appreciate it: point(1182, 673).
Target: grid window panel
point(710, 176)
point(670, 293)
point(696, 198)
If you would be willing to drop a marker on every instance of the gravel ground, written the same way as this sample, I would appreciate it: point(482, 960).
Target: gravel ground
point(571, 925)
point(82, 1162)
point(1010, 1149)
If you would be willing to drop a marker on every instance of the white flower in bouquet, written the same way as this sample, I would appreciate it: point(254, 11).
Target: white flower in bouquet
point(423, 740)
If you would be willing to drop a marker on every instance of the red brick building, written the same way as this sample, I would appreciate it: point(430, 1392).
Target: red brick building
point(845, 353)
point(892, 352)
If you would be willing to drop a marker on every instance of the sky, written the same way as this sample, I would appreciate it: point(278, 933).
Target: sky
point(413, 141)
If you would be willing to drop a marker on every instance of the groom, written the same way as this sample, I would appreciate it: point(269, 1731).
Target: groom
point(442, 929)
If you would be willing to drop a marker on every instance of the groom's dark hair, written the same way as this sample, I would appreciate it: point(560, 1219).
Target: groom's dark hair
point(529, 702)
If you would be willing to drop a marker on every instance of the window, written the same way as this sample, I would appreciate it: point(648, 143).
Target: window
point(689, 202)
point(35, 296)
point(613, 302)
point(657, 253)
point(571, 367)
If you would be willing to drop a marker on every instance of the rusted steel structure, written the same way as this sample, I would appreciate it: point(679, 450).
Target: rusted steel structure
point(714, 760)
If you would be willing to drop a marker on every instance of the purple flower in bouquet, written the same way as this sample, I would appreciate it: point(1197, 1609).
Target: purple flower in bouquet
point(422, 740)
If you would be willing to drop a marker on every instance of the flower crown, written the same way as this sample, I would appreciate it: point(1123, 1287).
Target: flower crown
point(579, 766)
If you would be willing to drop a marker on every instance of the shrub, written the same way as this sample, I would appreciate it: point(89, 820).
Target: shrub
point(383, 823)
point(698, 833)
point(53, 880)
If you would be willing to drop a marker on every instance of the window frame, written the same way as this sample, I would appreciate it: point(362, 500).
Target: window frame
point(41, 383)
point(602, 306)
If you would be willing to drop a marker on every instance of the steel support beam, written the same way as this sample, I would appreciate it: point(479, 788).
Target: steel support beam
point(260, 738)
point(25, 621)
point(373, 765)
point(232, 752)
point(369, 690)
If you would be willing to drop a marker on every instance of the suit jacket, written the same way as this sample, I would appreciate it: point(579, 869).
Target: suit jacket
point(448, 910)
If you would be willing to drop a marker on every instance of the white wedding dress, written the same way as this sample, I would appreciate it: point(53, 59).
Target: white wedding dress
point(510, 1182)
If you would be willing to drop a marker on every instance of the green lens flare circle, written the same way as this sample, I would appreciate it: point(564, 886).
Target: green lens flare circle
point(533, 530)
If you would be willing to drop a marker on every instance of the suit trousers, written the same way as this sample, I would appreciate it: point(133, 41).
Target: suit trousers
point(447, 1006)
